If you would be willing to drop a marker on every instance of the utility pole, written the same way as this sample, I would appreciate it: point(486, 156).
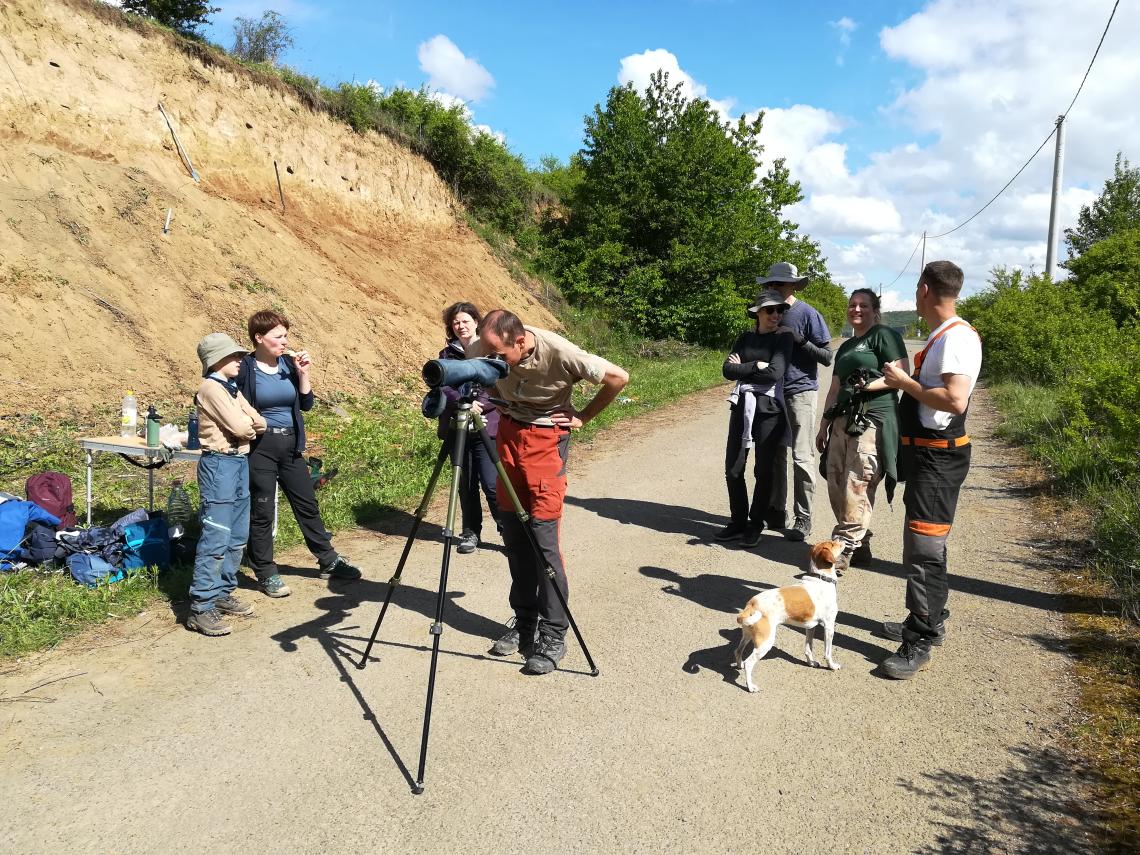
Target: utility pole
point(922, 265)
point(1058, 164)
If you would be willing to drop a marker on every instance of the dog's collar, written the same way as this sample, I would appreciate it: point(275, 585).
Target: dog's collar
point(821, 576)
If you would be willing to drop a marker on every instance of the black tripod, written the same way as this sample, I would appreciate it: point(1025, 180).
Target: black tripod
point(464, 422)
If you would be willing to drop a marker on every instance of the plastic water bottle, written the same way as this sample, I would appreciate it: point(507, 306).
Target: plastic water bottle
point(129, 426)
point(192, 441)
point(179, 510)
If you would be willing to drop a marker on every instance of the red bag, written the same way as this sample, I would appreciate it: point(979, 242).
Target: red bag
point(52, 492)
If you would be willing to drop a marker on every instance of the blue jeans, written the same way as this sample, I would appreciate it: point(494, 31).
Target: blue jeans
point(223, 482)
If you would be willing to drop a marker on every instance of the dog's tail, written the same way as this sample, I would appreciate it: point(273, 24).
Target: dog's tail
point(750, 614)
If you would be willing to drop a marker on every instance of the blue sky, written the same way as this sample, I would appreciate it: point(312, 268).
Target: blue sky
point(897, 117)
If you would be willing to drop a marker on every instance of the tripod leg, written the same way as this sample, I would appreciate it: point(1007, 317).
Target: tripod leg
point(436, 629)
point(520, 511)
point(394, 582)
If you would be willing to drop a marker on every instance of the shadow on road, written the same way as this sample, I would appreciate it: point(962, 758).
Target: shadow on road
point(1039, 800)
point(667, 519)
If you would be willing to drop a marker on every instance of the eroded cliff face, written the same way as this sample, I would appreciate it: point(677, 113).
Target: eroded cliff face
point(95, 297)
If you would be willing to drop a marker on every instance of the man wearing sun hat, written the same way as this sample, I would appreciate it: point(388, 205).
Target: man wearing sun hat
point(811, 348)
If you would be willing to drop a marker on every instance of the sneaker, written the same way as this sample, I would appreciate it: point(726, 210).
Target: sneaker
point(800, 529)
point(275, 587)
point(545, 655)
point(861, 557)
point(894, 632)
point(731, 531)
point(231, 605)
point(208, 623)
point(509, 642)
point(340, 569)
point(752, 536)
point(468, 541)
point(908, 660)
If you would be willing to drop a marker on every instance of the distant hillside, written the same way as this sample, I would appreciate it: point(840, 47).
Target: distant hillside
point(900, 320)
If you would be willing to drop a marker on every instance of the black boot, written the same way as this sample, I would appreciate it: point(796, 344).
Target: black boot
point(861, 557)
point(908, 660)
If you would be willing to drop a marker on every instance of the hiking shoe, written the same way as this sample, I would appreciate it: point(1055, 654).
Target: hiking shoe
point(275, 587)
point(468, 541)
point(731, 531)
point(843, 561)
point(545, 655)
point(908, 660)
point(231, 605)
point(752, 536)
point(508, 643)
point(894, 631)
point(861, 557)
point(799, 531)
point(340, 569)
point(208, 623)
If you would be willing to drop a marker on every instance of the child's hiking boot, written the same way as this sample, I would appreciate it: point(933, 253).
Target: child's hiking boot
point(340, 569)
point(208, 623)
point(231, 605)
point(275, 587)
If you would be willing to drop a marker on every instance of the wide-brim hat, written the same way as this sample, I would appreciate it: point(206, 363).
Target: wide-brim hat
point(783, 272)
point(215, 347)
point(767, 297)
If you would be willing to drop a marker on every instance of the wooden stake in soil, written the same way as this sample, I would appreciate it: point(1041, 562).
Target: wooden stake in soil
point(280, 192)
point(178, 144)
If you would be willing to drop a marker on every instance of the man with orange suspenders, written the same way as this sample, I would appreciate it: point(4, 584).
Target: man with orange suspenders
point(934, 459)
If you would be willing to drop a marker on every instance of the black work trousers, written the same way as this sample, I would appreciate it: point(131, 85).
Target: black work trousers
point(479, 475)
point(767, 434)
point(274, 460)
point(934, 480)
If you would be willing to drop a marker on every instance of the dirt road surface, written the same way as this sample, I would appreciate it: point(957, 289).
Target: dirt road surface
point(271, 740)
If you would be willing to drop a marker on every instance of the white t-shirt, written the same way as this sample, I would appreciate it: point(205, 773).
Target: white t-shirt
point(957, 351)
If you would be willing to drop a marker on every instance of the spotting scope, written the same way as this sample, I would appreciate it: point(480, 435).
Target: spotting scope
point(456, 372)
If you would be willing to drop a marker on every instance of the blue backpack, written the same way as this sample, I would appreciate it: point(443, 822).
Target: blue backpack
point(147, 544)
point(90, 570)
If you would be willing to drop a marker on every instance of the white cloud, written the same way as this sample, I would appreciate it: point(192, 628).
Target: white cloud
point(894, 301)
point(845, 27)
point(639, 67)
point(449, 70)
point(988, 81)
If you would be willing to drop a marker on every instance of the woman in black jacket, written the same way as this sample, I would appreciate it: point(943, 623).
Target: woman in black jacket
point(758, 419)
point(460, 322)
point(275, 380)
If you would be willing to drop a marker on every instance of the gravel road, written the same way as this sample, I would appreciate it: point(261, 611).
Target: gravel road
point(271, 740)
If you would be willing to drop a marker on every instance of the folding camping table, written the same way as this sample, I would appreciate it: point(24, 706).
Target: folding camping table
point(128, 447)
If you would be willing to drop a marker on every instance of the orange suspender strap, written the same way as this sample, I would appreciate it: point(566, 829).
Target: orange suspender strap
point(921, 355)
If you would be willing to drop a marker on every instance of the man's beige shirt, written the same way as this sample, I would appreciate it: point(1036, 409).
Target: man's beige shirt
point(544, 381)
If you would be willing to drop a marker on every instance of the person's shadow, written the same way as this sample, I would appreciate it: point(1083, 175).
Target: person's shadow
point(667, 519)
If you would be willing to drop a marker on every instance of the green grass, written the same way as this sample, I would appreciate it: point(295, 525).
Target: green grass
point(383, 448)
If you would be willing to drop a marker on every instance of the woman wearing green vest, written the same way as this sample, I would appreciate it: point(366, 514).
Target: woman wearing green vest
point(859, 435)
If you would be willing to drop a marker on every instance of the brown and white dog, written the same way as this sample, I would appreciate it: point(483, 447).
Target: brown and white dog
point(810, 603)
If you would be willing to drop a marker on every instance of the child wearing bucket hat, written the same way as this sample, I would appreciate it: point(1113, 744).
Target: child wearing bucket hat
point(227, 423)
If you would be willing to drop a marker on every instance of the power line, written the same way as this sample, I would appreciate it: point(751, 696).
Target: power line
point(999, 192)
point(1091, 61)
point(908, 261)
point(1044, 141)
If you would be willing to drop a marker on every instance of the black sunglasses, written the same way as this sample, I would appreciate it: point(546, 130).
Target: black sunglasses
point(768, 310)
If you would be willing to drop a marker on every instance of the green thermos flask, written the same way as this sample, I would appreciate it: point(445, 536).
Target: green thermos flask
point(153, 420)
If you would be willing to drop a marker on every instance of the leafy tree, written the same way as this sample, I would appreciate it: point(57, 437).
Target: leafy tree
point(183, 16)
point(1107, 276)
point(261, 41)
point(1115, 210)
point(667, 226)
